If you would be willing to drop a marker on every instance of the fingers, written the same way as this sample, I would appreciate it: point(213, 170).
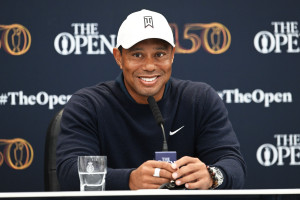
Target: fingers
point(187, 165)
point(143, 177)
point(201, 184)
point(163, 165)
point(186, 170)
point(196, 180)
point(165, 169)
point(164, 174)
point(184, 161)
point(160, 181)
point(155, 180)
point(191, 172)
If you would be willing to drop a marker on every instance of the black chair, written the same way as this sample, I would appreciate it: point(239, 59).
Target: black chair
point(50, 177)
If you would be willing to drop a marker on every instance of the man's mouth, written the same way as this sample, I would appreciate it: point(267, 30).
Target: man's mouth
point(149, 79)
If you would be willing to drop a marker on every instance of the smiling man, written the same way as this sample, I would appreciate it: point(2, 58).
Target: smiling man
point(147, 67)
point(114, 119)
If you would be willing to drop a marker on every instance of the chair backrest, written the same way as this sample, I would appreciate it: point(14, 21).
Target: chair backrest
point(50, 177)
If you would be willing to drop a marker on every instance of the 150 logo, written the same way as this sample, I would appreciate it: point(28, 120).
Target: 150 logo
point(17, 154)
point(15, 39)
point(214, 37)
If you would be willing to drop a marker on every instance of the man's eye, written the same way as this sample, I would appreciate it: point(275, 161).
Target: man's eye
point(160, 54)
point(138, 55)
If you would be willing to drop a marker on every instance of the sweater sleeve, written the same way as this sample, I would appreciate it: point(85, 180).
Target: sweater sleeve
point(79, 136)
point(217, 144)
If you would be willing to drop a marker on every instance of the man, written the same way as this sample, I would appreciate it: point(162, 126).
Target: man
point(114, 119)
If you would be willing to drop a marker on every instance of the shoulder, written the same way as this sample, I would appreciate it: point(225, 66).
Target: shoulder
point(196, 93)
point(193, 88)
point(89, 101)
point(95, 94)
point(98, 90)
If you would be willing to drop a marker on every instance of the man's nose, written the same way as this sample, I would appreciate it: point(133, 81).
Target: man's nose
point(149, 65)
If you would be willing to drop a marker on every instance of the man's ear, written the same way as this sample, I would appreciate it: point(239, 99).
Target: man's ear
point(118, 57)
point(173, 54)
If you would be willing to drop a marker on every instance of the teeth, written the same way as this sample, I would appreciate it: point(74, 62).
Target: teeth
point(149, 79)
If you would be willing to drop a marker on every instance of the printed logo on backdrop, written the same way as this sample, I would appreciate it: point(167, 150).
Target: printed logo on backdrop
point(285, 151)
point(15, 39)
point(85, 39)
point(257, 96)
point(17, 153)
point(214, 37)
point(283, 38)
point(41, 98)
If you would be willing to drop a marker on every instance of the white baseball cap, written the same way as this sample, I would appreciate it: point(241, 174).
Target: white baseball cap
point(141, 25)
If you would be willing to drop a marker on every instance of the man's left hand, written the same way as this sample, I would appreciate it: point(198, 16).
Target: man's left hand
point(191, 172)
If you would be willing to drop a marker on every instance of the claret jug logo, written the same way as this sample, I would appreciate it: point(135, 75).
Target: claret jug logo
point(214, 37)
point(286, 151)
point(15, 39)
point(285, 37)
point(17, 153)
point(84, 38)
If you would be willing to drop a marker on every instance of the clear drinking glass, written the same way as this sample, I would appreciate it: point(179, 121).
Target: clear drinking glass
point(92, 171)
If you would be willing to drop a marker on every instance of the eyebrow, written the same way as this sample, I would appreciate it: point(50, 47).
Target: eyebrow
point(134, 49)
point(140, 49)
point(162, 48)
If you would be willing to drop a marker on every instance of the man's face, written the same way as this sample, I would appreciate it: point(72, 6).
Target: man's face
point(147, 67)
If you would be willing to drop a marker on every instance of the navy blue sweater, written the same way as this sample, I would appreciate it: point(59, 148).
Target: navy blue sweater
point(105, 120)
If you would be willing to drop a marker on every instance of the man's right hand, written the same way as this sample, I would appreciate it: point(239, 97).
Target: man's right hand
point(142, 177)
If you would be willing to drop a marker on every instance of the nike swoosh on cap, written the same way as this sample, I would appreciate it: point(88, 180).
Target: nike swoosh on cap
point(173, 132)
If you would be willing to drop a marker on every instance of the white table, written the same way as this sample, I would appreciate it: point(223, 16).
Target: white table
point(154, 194)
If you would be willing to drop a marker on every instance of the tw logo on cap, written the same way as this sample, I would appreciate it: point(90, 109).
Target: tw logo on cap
point(148, 21)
